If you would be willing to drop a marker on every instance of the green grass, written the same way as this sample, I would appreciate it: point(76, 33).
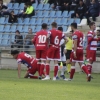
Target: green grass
point(12, 88)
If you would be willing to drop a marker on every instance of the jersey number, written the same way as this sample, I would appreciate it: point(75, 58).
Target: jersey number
point(28, 56)
point(56, 40)
point(81, 42)
point(42, 38)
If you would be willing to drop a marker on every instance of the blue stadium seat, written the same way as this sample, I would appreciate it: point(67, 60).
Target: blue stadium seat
point(0, 36)
point(45, 20)
point(69, 14)
point(16, 6)
point(10, 5)
point(58, 21)
point(25, 29)
point(70, 21)
point(12, 37)
point(77, 20)
point(19, 27)
point(13, 28)
point(50, 21)
point(64, 28)
point(2, 20)
point(65, 14)
point(6, 21)
point(38, 21)
point(21, 6)
point(39, 14)
point(20, 21)
point(15, 12)
point(58, 14)
point(49, 27)
point(45, 14)
point(34, 5)
point(32, 21)
point(46, 7)
point(52, 14)
point(64, 21)
point(38, 28)
point(1, 28)
point(26, 21)
point(7, 28)
point(39, 7)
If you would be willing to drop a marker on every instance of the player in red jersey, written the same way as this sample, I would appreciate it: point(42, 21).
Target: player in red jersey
point(53, 52)
point(77, 52)
point(41, 45)
point(27, 60)
point(92, 46)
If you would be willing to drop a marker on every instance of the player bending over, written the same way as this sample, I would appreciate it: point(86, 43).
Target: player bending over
point(27, 60)
point(77, 52)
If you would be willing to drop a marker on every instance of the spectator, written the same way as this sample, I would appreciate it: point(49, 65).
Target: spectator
point(3, 10)
point(18, 40)
point(80, 10)
point(28, 38)
point(50, 1)
point(66, 5)
point(93, 11)
point(57, 4)
point(12, 18)
point(29, 11)
point(74, 3)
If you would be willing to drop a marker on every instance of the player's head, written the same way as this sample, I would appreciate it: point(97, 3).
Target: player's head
point(44, 26)
point(92, 25)
point(73, 26)
point(54, 25)
point(60, 28)
point(14, 53)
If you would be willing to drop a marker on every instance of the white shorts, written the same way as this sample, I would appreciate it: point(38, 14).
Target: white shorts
point(62, 58)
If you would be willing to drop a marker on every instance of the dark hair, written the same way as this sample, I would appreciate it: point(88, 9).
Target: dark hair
point(80, 0)
point(29, 3)
point(60, 28)
point(54, 24)
point(44, 26)
point(91, 23)
point(14, 52)
point(74, 25)
point(17, 31)
point(12, 11)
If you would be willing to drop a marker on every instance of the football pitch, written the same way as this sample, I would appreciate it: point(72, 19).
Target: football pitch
point(12, 88)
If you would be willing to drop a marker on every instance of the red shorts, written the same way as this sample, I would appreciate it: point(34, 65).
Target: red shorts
point(79, 55)
point(91, 55)
point(53, 53)
point(34, 68)
point(41, 54)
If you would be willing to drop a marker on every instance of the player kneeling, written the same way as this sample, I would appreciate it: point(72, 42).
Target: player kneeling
point(27, 60)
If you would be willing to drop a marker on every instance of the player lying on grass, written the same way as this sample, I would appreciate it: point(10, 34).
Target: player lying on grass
point(27, 60)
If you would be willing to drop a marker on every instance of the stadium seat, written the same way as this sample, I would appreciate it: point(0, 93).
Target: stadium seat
point(64, 21)
point(26, 21)
point(45, 20)
point(4, 42)
point(10, 5)
point(34, 5)
point(1, 28)
point(77, 20)
point(38, 21)
point(13, 28)
point(6, 21)
point(21, 6)
point(38, 28)
point(16, 6)
point(52, 14)
point(39, 14)
point(12, 37)
point(58, 14)
point(15, 12)
point(19, 27)
point(45, 14)
point(49, 27)
point(20, 21)
point(25, 29)
point(39, 7)
point(0, 35)
point(50, 21)
point(7, 28)
point(65, 14)
point(2, 20)
point(58, 21)
point(32, 21)
point(71, 20)
point(46, 7)
point(69, 14)
point(64, 28)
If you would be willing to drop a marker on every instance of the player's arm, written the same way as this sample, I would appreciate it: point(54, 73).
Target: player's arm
point(19, 70)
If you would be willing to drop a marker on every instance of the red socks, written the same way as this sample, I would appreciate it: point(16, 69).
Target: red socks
point(34, 77)
point(55, 70)
point(72, 72)
point(89, 66)
point(42, 69)
point(38, 65)
point(47, 69)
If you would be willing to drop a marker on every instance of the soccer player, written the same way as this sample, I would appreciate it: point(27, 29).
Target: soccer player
point(41, 44)
point(53, 52)
point(27, 60)
point(92, 46)
point(62, 59)
point(77, 52)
